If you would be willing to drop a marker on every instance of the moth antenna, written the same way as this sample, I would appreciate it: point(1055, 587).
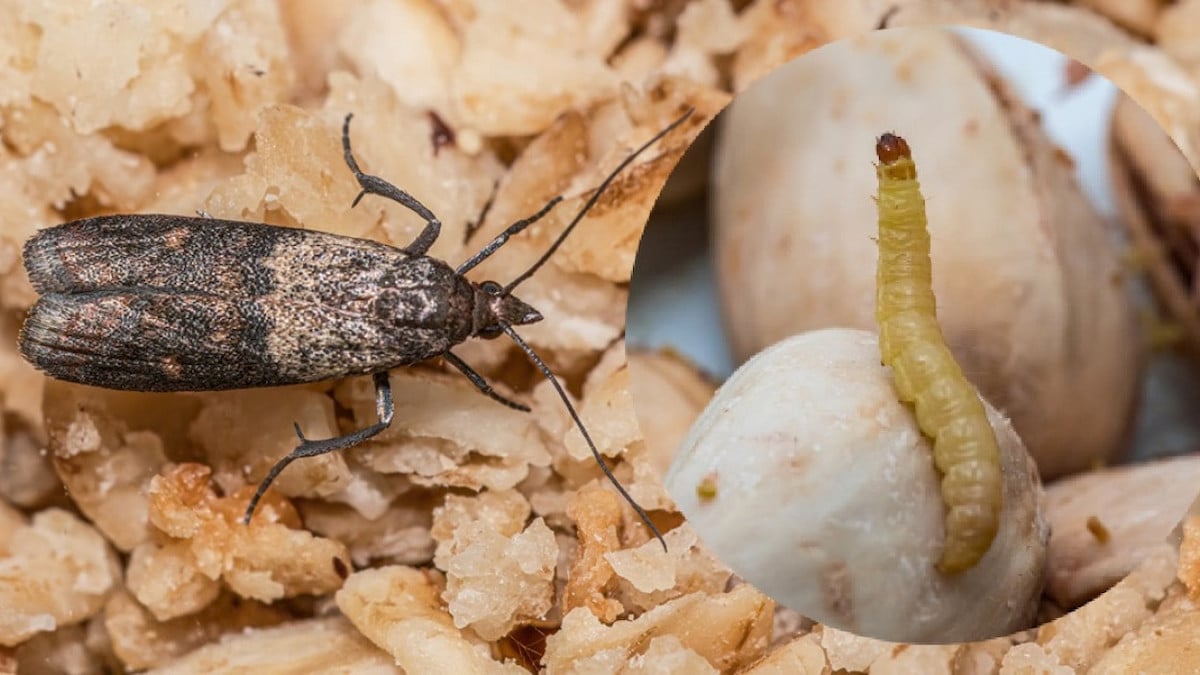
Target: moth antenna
point(579, 423)
point(595, 198)
point(887, 17)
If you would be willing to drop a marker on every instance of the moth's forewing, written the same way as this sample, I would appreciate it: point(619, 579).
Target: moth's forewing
point(227, 258)
point(164, 303)
point(150, 341)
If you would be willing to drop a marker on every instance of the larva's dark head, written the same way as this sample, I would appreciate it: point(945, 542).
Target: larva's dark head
point(890, 148)
point(495, 307)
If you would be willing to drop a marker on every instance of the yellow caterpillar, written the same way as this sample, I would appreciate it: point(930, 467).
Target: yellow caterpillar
point(948, 409)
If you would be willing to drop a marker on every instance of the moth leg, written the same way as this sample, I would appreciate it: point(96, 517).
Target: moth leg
point(480, 383)
point(378, 186)
point(887, 17)
point(487, 207)
point(508, 232)
point(385, 409)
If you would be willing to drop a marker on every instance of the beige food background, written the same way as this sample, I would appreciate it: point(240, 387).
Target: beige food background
point(119, 543)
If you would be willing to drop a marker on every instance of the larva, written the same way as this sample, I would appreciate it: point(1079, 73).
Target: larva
point(948, 409)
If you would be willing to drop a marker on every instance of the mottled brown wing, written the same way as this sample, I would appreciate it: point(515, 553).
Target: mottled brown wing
point(148, 341)
point(203, 255)
point(159, 341)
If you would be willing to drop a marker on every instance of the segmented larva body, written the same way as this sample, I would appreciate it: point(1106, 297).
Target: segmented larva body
point(948, 409)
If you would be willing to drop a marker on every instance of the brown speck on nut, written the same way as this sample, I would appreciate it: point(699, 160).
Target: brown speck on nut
point(1098, 530)
point(707, 489)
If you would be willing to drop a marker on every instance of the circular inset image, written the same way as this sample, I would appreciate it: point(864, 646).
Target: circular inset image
point(929, 327)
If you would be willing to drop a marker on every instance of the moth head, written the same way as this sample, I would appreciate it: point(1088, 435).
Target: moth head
point(499, 307)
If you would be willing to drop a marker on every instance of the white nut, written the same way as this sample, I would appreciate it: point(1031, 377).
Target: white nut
point(827, 499)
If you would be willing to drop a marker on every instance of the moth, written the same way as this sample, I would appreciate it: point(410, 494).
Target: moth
point(948, 408)
point(152, 302)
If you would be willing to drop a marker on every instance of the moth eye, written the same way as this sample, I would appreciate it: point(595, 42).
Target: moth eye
point(490, 332)
point(491, 288)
